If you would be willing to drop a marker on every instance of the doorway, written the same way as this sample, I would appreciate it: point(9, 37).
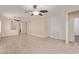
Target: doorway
point(76, 29)
point(72, 28)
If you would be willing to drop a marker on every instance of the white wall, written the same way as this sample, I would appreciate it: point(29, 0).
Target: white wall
point(76, 25)
point(24, 27)
point(57, 27)
point(37, 26)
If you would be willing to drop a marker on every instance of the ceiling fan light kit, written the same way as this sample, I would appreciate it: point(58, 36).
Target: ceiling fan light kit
point(36, 12)
point(18, 19)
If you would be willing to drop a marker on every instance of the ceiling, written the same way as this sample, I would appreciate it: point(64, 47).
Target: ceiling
point(18, 10)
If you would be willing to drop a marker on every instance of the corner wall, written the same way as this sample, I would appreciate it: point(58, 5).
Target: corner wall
point(37, 26)
point(57, 27)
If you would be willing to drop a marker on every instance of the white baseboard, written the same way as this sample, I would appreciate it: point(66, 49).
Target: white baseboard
point(41, 36)
point(8, 34)
point(57, 38)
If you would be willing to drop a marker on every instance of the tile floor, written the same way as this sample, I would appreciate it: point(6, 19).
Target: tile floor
point(27, 44)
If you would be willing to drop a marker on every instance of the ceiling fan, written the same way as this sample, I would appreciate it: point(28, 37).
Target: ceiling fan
point(36, 11)
point(17, 18)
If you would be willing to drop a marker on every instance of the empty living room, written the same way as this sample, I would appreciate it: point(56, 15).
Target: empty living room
point(39, 29)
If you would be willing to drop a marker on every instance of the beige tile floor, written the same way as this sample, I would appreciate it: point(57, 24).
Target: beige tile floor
point(34, 45)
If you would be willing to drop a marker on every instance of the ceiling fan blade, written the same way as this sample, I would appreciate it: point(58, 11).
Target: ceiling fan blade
point(40, 14)
point(32, 14)
point(27, 11)
point(35, 6)
point(44, 11)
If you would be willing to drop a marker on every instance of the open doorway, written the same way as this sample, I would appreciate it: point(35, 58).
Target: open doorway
point(76, 29)
point(73, 26)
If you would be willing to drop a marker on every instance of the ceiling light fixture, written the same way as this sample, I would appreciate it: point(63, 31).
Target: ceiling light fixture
point(36, 13)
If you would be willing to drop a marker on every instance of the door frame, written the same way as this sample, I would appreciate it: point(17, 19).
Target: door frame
point(67, 25)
